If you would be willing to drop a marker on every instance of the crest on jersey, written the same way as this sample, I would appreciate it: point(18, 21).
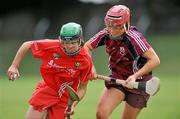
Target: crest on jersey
point(56, 55)
point(77, 64)
point(122, 51)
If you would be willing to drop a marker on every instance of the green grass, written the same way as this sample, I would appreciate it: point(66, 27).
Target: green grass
point(14, 100)
point(14, 97)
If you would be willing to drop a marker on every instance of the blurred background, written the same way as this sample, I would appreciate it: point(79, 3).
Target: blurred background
point(158, 20)
point(38, 19)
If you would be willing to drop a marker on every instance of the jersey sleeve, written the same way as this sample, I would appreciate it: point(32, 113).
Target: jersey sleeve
point(87, 69)
point(99, 39)
point(139, 42)
point(40, 47)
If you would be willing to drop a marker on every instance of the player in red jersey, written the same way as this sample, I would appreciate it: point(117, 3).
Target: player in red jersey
point(64, 61)
point(131, 58)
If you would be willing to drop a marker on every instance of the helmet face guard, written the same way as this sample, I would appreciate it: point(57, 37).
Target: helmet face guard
point(71, 38)
point(118, 15)
point(71, 32)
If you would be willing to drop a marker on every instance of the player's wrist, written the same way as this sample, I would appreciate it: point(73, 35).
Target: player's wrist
point(15, 65)
point(75, 103)
point(136, 75)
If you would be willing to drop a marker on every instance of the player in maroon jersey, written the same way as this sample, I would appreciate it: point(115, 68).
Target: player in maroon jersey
point(64, 61)
point(131, 58)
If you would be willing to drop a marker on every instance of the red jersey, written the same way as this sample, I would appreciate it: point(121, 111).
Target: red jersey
point(59, 69)
point(125, 53)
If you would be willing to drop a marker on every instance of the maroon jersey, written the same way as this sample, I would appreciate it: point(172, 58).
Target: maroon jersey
point(125, 53)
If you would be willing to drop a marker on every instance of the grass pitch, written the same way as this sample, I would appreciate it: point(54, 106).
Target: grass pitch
point(14, 100)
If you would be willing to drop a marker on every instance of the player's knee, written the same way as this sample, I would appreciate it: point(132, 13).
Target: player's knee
point(102, 114)
point(28, 116)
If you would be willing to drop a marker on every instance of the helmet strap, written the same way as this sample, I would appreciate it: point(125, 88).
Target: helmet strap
point(126, 27)
point(81, 42)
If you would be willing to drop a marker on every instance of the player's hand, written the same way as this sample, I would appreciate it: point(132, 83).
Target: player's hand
point(13, 73)
point(93, 76)
point(69, 112)
point(129, 83)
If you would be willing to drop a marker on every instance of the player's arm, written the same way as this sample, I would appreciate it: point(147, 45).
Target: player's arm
point(81, 91)
point(88, 47)
point(96, 41)
point(152, 62)
point(13, 69)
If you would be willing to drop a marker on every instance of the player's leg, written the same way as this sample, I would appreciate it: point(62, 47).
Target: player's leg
point(109, 100)
point(130, 112)
point(35, 114)
point(57, 111)
point(46, 116)
point(134, 104)
point(43, 98)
